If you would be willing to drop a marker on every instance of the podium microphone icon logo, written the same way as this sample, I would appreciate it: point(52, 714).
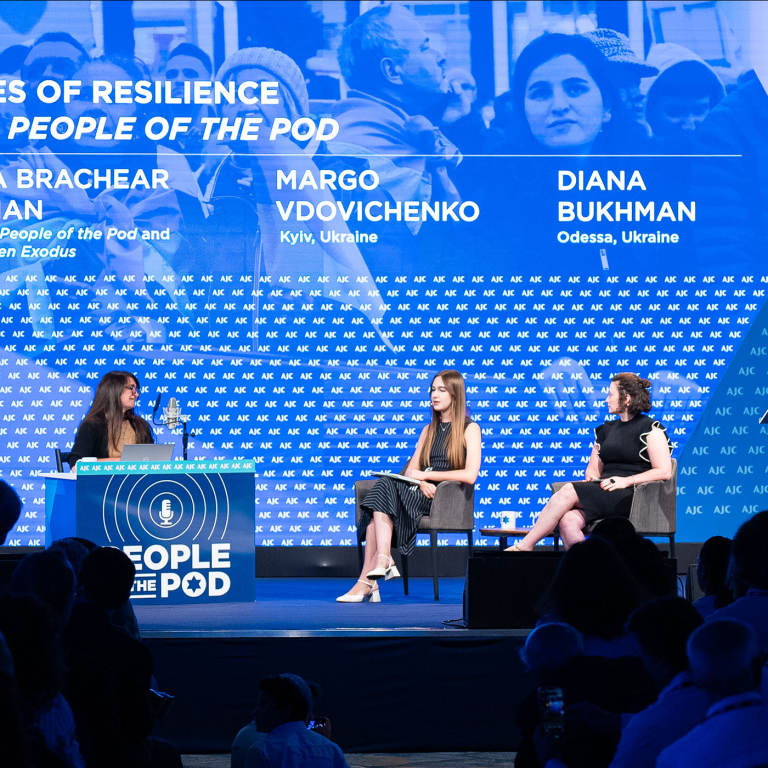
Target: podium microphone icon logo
point(166, 513)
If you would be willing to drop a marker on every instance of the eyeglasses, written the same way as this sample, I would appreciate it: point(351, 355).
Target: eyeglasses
point(136, 390)
point(59, 66)
point(172, 74)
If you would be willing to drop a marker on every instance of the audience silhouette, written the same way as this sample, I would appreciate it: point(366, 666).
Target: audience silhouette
point(712, 575)
point(725, 661)
point(644, 679)
point(284, 705)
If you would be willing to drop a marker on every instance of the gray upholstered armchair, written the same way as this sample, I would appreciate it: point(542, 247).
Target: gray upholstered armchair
point(453, 511)
point(653, 510)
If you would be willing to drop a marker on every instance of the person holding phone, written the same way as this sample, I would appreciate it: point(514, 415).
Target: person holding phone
point(629, 450)
point(111, 421)
point(448, 449)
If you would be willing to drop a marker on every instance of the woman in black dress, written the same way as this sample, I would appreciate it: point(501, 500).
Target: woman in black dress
point(631, 449)
point(448, 449)
point(111, 421)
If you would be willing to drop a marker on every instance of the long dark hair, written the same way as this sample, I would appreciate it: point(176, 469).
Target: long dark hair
point(619, 133)
point(455, 450)
point(107, 409)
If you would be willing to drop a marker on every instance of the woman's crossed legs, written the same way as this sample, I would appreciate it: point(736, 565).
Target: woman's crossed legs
point(563, 509)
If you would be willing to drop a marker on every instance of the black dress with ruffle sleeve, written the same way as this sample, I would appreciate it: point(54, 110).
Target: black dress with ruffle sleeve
point(623, 449)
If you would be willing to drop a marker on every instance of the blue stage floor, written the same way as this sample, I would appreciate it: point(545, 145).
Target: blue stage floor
point(308, 607)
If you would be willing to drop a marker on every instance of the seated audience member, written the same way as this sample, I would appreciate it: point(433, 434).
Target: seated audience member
point(549, 653)
point(250, 734)
point(12, 731)
point(49, 576)
point(712, 575)
point(594, 592)
point(554, 655)
point(613, 529)
point(646, 564)
point(10, 509)
point(749, 577)
point(106, 578)
point(549, 648)
point(73, 549)
point(662, 628)
point(76, 550)
point(284, 704)
point(724, 658)
point(31, 632)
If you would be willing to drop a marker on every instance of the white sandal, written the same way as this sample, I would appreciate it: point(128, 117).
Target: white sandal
point(390, 572)
point(374, 596)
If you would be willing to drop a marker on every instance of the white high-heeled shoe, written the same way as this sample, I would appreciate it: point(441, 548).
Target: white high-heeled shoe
point(372, 597)
point(390, 572)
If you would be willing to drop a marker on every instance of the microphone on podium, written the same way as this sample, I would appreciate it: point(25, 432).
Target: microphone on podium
point(157, 405)
point(172, 414)
point(173, 419)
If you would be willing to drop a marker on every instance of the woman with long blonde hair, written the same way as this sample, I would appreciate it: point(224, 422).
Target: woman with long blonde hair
point(448, 449)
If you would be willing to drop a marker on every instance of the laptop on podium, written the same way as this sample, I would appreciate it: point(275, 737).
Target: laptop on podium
point(147, 452)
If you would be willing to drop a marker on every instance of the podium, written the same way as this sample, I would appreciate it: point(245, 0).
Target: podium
point(188, 526)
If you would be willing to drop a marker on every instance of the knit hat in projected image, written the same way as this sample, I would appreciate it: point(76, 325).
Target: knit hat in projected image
point(616, 48)
point(284, 69)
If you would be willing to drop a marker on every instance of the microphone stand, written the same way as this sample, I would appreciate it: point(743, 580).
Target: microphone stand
point(154, 412)
point(185, 437)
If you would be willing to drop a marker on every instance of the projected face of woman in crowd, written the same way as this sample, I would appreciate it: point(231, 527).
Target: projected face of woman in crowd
point(564, 106)
point(440, 396)
point(83, 105)
point(268, 112)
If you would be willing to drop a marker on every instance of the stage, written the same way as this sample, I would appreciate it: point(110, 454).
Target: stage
point(308, 608)
point(395, 678)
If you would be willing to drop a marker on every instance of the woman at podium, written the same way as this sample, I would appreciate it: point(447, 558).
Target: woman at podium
point(631, 449)
point(448, 449)
point(111, 421)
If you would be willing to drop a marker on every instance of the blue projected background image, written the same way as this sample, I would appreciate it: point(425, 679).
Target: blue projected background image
point(300, 324)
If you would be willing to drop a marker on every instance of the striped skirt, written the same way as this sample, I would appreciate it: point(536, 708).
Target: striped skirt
point(404, 503)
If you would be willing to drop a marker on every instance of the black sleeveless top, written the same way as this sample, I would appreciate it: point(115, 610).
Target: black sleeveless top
point(438, 455)
point(623, 447)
